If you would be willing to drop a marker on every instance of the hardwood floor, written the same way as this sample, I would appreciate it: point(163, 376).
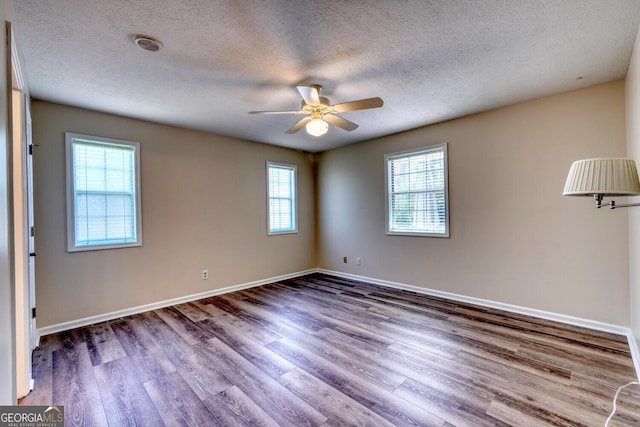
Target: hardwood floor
point(322, 350)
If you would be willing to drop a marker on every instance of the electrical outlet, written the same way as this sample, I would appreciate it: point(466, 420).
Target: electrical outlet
point(358, 261)
point(205, 274)
point(344, 259)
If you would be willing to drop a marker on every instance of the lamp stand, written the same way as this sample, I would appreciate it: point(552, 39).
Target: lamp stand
point(612, 204)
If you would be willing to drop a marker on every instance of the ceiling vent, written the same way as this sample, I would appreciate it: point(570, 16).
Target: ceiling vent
point(147, 43)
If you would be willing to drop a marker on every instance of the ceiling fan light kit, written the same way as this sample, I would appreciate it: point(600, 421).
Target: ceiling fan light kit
point(317, 127)
point(320, 113)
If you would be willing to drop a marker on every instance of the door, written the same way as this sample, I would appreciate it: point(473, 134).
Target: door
point(31, 230)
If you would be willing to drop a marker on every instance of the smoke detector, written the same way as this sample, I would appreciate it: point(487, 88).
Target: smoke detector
point(147, 43)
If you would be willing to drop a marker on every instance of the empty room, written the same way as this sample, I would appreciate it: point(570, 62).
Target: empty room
point(320, 213)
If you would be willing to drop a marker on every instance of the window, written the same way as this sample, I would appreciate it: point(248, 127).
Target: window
point(417, 192)
point(103, 193)
point(281, 195)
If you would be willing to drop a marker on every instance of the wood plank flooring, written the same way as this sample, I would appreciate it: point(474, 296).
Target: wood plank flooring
point(321, 350)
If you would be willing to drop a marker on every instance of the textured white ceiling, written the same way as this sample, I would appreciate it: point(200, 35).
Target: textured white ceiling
point(429, 60)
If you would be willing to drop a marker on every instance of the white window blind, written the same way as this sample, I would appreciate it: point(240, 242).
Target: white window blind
point(417, 195)
point(103, 199)
point(281, 203)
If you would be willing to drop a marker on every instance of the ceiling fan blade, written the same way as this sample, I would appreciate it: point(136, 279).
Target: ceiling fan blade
point(299, 125)
point(279, 112)
point(361, 104)
point(310, 94)
point(340, 122)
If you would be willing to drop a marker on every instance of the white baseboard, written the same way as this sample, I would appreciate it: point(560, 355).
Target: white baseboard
point(576, 321)
point(65, 326)
point(570, 320)
point(635, 353)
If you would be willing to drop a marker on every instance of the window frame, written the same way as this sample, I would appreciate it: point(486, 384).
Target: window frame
point(70, 138)
point(294, 203)
point(388, 205)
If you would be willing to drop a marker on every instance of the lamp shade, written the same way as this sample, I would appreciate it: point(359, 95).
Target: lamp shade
point(605, 176)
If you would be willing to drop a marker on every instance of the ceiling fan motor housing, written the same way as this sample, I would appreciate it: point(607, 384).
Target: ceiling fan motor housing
point(319, 108)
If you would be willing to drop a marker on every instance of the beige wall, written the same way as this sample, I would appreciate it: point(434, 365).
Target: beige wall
point(514, 238)
point(633, 146)
point(203, 207)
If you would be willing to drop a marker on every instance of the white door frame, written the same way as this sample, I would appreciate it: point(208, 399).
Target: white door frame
point(20, 134)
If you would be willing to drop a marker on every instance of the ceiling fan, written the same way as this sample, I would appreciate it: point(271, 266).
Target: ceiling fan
point(320, 112)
